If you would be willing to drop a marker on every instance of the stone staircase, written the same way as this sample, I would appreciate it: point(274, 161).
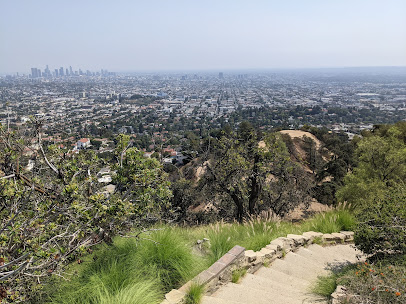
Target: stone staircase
point(287, 280)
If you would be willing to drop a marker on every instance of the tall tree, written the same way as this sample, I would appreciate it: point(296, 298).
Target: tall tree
point(253, 171)
point(381, 166)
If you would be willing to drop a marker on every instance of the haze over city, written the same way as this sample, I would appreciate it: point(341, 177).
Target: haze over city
point(207, 35)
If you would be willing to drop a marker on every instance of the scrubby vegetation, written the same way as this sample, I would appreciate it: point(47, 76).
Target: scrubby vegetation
point(377, 191)
point(58, 222)
point(168, 257)
point(154, 265)
point(380, 282)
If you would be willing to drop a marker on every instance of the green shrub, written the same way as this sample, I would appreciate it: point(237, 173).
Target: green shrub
point(381, 282)
point(381, 225)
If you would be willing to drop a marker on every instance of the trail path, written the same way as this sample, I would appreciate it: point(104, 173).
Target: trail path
point(287, 280)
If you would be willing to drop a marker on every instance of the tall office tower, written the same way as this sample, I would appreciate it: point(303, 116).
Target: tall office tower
point(80, 72)
point(47, 72)
point(39, 74)
point(56, 73)
point(61, 71)
point(70, 71)
point(221, 76)
point(67, 72)
point(33, 73)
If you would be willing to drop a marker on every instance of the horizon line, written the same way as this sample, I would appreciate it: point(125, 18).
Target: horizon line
point(229, 69)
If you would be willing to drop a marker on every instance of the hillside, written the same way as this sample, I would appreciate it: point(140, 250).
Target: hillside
point(306, 152)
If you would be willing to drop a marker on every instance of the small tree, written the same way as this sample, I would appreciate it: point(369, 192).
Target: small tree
point(381, 228)
point(52, 214)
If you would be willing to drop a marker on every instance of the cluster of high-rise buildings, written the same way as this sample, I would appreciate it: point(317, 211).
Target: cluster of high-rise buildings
point(61, 72)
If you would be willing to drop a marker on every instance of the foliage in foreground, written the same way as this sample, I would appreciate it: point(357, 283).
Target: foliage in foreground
point(325, 285)
point(381, 166)
point(377, 191)
point(380, 282)
point(131, 271)
point(54, 212)
point(195, 294)
point(381, 228)
point(171, 261)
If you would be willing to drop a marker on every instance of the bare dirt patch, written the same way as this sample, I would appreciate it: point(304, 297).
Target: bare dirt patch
point(300, 134)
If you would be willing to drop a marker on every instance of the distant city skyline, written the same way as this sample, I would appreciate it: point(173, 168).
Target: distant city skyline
point(65, 71)
point(125, 36)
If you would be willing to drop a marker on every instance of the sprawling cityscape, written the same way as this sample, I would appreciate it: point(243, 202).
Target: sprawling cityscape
point(202, 152)
point(159, 109)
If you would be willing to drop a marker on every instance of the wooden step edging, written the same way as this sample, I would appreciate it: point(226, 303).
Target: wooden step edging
point(221, 271)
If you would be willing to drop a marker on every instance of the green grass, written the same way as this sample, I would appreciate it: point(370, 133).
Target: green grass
point(194, 294)
point(237, 274)
point(131, 271)
point(257, 233)
point(325, 285)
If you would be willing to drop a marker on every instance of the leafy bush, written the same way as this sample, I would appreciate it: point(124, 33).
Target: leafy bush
point(382, 282)
point(381, 228)
point(381, 167)
point(52, 215)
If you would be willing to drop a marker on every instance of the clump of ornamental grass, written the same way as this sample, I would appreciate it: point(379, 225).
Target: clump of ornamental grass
point(194, 294)
point(132, 271)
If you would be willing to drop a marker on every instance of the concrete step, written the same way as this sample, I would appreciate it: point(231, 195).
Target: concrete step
point(297, 269)
point(316, 255)
point(275, 275)
point(312, 299)
point(339, 252)
point(343, 255)
point(295, 258)
point(287, 280)
point(269, 285)
point(248, 295)
point(347, 252)
point(213, 300)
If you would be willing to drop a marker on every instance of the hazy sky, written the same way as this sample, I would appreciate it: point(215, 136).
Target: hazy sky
point(134, 35)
